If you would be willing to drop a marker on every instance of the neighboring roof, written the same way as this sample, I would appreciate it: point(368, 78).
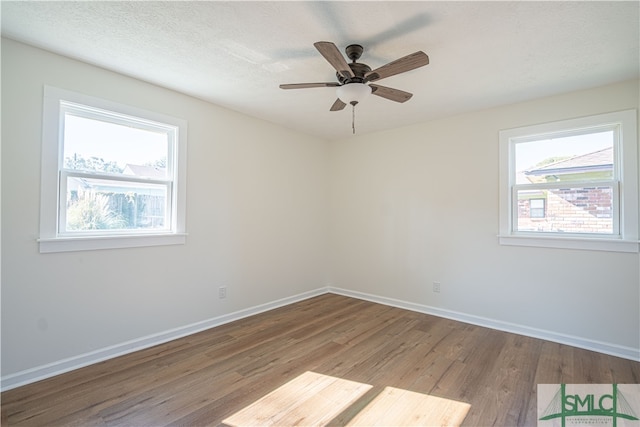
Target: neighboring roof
point(521, 178)
point(600, 160)
point(146, 171)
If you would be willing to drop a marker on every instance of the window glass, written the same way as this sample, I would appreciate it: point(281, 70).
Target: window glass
point(100, 204)
point(544, 164)
point(100, 146)
point(568, 210)
point(580, 157)
point(116, 172)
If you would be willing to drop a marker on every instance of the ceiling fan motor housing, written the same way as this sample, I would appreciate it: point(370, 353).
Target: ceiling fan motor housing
point(359, 70)
point(354, 52)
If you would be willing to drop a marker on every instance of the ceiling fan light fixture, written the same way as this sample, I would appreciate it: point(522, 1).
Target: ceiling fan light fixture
point(352, 93)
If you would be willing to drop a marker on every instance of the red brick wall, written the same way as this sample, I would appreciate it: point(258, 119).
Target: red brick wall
point(571, 210)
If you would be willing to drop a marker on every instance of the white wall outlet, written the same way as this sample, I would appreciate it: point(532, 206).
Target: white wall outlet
point(222, 292)
point(436, 287)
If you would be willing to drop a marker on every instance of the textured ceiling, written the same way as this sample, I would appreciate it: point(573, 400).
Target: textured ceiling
point(235, 54)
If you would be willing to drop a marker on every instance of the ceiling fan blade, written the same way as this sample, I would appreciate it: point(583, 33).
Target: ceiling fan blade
point(308, 85)
point(338, 105)
point(407, 63)
point(334, 57)
point(390, 93)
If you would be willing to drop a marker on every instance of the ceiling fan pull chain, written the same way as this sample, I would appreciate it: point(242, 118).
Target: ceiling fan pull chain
point(353, 117)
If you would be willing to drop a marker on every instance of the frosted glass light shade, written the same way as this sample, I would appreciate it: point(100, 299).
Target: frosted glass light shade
point(353, 92)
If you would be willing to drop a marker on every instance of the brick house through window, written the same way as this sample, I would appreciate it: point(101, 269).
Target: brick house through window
point(575, 208)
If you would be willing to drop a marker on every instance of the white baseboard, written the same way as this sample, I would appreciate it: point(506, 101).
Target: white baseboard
point(59, 367)
point(574, 341)
point(65, 365)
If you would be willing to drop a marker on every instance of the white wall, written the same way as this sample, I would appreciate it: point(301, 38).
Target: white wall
point(273, 214)
point(256, 218)
point(420, 204)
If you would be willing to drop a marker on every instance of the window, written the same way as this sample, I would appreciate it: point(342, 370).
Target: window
point(536, 208)
point(112, 176)
point(571, 184)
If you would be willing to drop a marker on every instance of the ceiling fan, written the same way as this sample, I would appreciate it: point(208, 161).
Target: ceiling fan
point(354, 79)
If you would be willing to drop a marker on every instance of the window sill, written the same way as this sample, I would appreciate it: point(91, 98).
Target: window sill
point(581, 243)
point(70, 244)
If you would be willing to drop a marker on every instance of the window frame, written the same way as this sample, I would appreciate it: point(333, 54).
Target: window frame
point(56, 103)
point(624, 184)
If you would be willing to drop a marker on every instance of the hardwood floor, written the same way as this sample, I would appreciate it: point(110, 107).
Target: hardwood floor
point(204, 378)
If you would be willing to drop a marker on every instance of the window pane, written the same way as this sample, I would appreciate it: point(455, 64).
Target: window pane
point(587, 157)
point(568, 210)
point(96, 145)
point(536, 208)
point(98, 204)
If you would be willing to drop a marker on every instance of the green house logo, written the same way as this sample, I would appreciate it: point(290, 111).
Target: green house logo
point(589, 404)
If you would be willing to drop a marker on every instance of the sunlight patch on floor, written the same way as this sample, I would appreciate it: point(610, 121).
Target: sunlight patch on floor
point(313, 399)
point(397, 407)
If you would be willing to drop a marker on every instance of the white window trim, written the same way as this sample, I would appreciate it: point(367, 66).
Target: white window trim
point(50, 240)
point(627, 152)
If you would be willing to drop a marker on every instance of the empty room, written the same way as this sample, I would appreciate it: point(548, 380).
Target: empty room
point(320, 213)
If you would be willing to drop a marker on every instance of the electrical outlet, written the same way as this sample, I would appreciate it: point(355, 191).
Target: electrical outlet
point(222, 292)
point(436, 287)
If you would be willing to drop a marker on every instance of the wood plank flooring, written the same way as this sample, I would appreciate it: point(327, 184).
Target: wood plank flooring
point(204, 378)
